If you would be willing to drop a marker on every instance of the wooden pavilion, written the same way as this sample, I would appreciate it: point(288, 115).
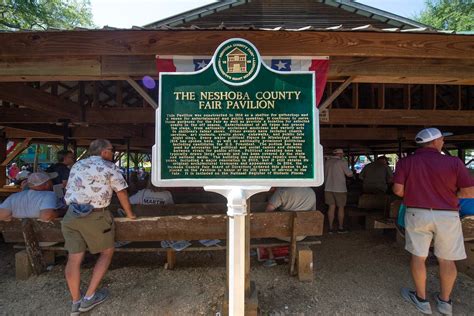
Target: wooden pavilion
point(388, 76)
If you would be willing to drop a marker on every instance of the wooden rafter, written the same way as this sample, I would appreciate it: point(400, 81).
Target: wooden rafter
point(336, 93)
point(36, 99)
point(143, 93)
point(15, 152)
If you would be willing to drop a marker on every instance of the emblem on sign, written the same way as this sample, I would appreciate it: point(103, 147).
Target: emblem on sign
point(236, 62)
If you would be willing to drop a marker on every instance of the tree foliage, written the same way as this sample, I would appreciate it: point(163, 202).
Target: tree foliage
point(454, 15)
point(43, 14)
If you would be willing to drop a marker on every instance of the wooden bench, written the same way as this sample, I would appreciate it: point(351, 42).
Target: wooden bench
point(171, 222)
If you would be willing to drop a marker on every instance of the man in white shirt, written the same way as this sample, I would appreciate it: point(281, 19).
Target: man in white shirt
point(335, 189)
point(88, 224)
point(152, 196)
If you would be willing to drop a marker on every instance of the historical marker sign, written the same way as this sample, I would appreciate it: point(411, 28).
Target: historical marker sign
point(237, 122)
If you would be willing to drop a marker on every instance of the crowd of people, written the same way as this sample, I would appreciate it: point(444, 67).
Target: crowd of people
point(429, 182)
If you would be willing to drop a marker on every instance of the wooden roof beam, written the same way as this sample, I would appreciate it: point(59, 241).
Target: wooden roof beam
point(36, 99)
point(270, 43)
point(366, 69)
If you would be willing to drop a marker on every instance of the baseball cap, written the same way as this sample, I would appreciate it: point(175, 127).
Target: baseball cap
point(38, 178)
point(429, 134)
point(338, 151)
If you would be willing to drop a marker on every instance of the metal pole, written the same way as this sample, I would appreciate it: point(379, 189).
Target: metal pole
point(65, 134)
point(236, 212)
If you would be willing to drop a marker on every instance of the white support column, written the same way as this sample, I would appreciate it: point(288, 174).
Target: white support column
point(236, 210)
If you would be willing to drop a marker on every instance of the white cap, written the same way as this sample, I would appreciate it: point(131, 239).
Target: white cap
point(429, 134)
point(338, 151)
point(38, 178)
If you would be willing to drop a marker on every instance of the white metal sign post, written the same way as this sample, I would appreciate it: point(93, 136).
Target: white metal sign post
point(237, 127)
point(236, 210)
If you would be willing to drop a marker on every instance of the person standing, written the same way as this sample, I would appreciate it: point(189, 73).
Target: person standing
point(376, 176)
point(428, 182)
point(65, 161)
point(88, 224)
point(335, 189)
point(13, 171)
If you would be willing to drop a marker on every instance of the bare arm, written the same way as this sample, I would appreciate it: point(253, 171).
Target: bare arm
point(5, 214)
point(466, 193)
point(48, 215)
point(270, 207)
point(398, 189)
point(123, 198)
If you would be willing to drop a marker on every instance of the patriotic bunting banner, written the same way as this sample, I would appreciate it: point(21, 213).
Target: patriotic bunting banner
point(320, 65)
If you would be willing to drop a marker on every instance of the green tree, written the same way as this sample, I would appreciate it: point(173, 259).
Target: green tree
point(43, 14)
point(454, 15)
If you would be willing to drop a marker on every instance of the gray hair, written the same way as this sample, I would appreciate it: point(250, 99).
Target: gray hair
point(96, 146)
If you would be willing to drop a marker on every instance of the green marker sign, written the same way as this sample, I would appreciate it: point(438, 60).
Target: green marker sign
point(237, 122)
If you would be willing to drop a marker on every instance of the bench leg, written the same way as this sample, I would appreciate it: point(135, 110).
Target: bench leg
point(305, 264)
point(49, 257)
point(23, 269)
point(170, 259)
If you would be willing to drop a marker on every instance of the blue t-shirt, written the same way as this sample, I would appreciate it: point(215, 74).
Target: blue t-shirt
point(28, 204)
point(466, 207)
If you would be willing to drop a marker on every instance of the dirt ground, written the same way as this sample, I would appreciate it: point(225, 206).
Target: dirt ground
point(359, 273)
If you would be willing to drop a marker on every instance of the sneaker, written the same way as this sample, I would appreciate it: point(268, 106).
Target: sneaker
point(99, 297)
point(332, 231)
point(410, 296)
point(269, 263)
point(445, 308)
point(342, 231)
point(75, 308)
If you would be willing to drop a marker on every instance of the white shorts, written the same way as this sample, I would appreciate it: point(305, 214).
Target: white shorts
point(422, 226)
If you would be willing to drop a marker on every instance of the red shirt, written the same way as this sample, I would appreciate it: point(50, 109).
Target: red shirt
point(432, 179)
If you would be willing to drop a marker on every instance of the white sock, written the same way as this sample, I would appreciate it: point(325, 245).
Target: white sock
point(76, 302)
point(89, 297)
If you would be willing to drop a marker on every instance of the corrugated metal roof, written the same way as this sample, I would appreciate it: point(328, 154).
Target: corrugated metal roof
point(222, 26)
point(348, 5)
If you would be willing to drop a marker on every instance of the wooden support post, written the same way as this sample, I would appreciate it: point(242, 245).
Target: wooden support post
point(36, 159)
point(66, 134)
point(170, 259)
point(96, 95)
point(23, 269)
point(305, 264)
point(82, 101)
point(3, 156)
point(381, 96)
point(293, 244)
point(355, 95)
point(118, 97)
point(407, 96)
point(459, 95)
point(32, 247)
point(128, 159)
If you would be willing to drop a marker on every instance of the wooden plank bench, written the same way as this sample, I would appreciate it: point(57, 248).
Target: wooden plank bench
point(183, 222)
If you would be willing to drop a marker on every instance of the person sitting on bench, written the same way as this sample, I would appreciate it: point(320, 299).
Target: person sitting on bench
point(152, 196)
point(37, 202)
point(290, 199)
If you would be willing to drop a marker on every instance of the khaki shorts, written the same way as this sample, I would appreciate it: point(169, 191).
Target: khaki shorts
point(335, 198)
point(422, 226)
point(95, 232)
